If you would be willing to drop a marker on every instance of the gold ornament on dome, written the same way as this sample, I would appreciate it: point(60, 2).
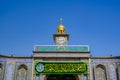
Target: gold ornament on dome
point(61, 28)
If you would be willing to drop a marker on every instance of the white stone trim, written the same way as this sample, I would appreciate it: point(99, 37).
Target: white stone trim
point(61, 55)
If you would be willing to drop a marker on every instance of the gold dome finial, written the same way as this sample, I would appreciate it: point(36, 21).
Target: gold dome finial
point(60, 20)
point(61, 28)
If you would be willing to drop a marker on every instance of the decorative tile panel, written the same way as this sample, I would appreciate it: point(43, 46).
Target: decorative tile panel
point(105, 60)
point(9, 72)
point(15, 60)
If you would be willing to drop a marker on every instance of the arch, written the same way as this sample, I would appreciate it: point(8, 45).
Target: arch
point(22, 66)
point(61, 77)
point(22, 72)
point(1, 67)
point(100, 65)
point(100, 72)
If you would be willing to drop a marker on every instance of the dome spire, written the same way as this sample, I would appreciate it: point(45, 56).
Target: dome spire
point(60, 20)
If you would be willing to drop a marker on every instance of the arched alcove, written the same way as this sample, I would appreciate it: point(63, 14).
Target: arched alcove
point(100, 72)
point(22, 72)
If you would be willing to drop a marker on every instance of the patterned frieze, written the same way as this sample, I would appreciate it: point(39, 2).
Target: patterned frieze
point(15, 60)
point(105, 60)
point(61, 55)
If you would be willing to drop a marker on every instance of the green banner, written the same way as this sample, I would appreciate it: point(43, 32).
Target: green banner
point(61, 68)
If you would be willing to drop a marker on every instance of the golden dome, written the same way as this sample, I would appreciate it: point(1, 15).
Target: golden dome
point(61, 28)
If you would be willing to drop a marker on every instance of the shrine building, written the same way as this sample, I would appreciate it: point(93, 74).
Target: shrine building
point(60, 61)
